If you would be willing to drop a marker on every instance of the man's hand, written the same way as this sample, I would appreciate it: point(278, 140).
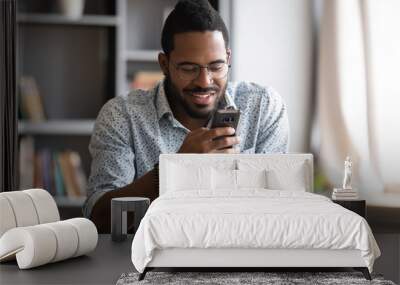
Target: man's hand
point(217, 140)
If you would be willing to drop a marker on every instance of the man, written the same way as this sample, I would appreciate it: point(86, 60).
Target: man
point(131, 132)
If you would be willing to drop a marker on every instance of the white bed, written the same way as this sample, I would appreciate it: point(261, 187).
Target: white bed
point(227, 217)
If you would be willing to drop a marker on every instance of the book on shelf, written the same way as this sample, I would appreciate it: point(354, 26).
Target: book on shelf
point(31, 106)
point(79, 175)
point(58, 176)
point(146, 80)
point(38, 173)
point(47, 171)
point(59, 172)
point(69, 174)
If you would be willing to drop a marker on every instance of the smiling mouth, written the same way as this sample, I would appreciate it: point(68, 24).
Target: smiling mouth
point(202, 98)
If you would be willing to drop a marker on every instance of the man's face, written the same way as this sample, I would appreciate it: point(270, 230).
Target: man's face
point(198, 96)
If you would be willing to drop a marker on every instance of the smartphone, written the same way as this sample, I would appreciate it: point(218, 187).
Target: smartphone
point(226, 118)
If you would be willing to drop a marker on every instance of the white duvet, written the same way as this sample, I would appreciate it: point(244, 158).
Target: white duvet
point(252, 218)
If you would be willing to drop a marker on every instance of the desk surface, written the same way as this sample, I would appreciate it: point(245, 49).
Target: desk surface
point(102, 266)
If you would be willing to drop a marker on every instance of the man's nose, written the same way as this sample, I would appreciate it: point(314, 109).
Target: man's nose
point(204, 79)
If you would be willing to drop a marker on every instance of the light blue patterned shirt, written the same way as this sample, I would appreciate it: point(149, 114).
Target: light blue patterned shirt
point(132, 131)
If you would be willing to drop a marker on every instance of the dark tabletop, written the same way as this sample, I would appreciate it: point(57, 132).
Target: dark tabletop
point(104, 265)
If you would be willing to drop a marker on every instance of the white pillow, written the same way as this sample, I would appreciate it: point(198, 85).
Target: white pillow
point(223, 179)
point(183, 178)
point(282, 173)
point(251, 178)
point(293, 180)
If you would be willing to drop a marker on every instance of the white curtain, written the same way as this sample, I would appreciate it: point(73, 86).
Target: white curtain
point(271, 44)
point(359, 95)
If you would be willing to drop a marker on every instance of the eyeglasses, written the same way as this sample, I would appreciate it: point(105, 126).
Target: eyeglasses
point(191, 71)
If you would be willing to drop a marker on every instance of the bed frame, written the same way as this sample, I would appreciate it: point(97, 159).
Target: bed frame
point(242, 259)
point(248, 259)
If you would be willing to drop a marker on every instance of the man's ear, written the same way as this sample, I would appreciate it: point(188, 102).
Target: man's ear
point(163, 62)
point(229, 55)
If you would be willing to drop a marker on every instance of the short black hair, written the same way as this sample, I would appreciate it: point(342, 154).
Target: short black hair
point(191, 16)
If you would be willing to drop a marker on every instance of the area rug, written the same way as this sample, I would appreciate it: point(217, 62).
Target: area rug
point(273, 278)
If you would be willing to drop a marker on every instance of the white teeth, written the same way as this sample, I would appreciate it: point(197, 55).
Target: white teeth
point(201, 95)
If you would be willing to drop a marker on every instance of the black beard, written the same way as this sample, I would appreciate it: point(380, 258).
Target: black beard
point(173, 93)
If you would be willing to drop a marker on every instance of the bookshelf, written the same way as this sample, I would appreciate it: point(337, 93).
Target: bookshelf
point(54, 19)
point(74, 63)
point(79, 64)
point(57, 127)
point(141, 55)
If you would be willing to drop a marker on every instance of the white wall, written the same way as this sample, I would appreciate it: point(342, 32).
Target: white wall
point(272, 44)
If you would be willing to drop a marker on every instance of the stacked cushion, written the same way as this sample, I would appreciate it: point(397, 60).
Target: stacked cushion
point(31, 231)
point(41, 244)
point(26, 208)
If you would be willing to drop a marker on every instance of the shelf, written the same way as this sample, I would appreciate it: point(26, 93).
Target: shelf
point(69, 201)
point(57, 127)
point(57, 19)
point(141, 55)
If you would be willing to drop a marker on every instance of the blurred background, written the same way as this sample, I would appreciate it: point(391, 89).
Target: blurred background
point(335, 63)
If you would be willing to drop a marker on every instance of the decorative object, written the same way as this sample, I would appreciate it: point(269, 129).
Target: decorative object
point(346, 192)
point(26, 208)
point(72, 9)
point(31, 231)
point(119, 207)
point(347, 173)
point(46, 243)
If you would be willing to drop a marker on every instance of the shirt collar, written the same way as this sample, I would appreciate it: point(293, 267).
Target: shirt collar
point(163, 107)
point(227, 102)
point(162, 104)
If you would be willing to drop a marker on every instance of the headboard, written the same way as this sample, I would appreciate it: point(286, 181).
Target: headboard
point(281, 164)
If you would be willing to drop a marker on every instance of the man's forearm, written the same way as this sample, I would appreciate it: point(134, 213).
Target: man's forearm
point(145, 186)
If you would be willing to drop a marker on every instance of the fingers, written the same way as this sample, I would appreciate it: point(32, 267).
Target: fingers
point(231, 150)
point(204, 140)
point(224, 142)
point(218, 132)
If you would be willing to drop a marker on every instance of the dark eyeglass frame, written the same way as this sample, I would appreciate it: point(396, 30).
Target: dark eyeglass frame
point(198, 67)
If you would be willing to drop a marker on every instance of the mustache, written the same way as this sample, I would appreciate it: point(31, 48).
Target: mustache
point(202, 90)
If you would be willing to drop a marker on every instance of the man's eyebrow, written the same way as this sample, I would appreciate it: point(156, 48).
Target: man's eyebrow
point(185, 62)
point(191, 63)
point(217, 61)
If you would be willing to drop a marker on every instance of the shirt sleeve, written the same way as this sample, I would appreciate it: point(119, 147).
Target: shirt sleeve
point(273, 136)
point(112, 153)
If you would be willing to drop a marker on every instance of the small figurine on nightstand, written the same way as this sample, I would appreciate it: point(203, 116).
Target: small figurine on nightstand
point(346, 192)
point(347, 173)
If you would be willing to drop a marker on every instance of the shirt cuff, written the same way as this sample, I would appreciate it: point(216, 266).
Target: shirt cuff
point(90, 201)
